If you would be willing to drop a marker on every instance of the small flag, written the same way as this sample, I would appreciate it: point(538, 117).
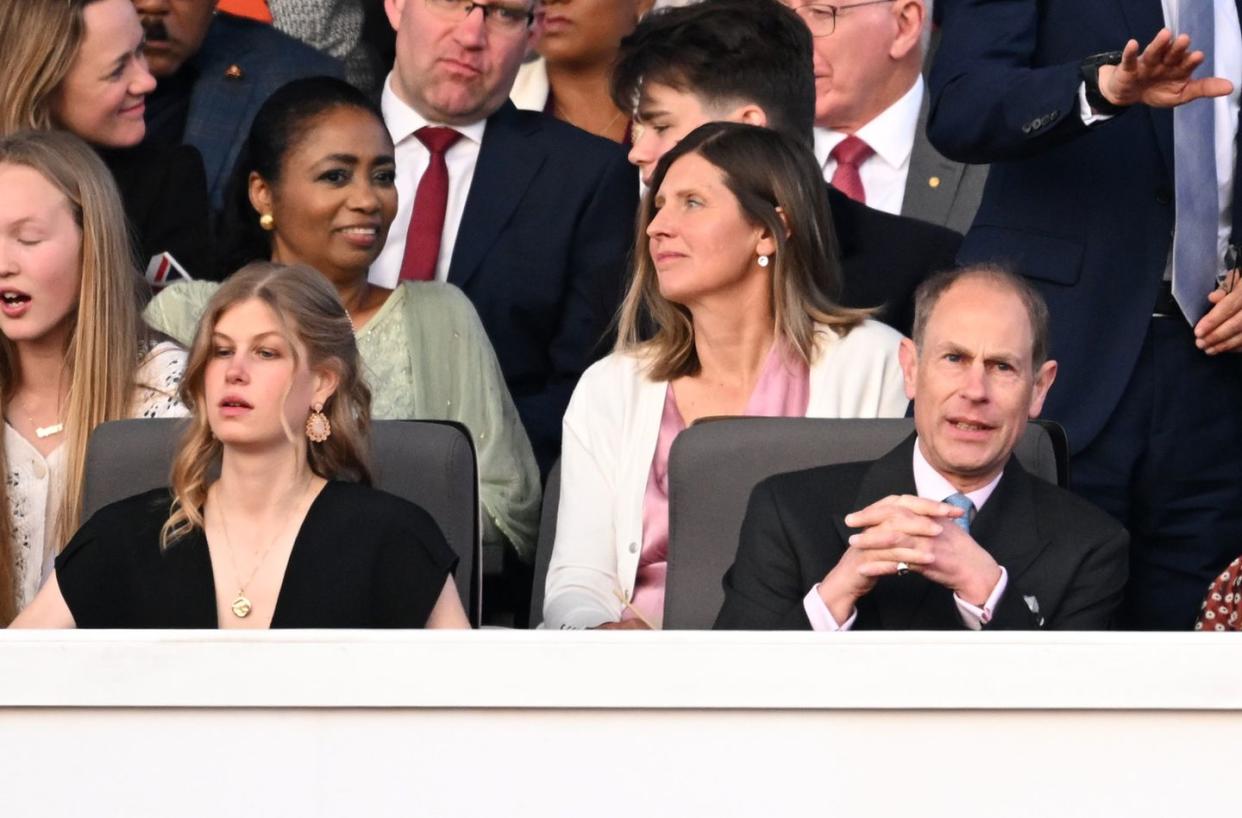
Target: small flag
point(163, 270)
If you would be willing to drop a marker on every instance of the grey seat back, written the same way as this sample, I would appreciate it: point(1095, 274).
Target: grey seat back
point(430, 463)
point(543, 549)
point(714, 465)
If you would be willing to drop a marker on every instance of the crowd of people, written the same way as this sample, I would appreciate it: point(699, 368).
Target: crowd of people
point(577, 227)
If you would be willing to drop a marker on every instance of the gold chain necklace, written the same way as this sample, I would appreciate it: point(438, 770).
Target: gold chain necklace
point(242, 606)
point(44, 432)
point(557, 108)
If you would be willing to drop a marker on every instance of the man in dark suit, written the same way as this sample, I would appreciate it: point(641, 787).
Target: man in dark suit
point(871, 111)
point(671, 64)
point(896, 543)
point(215, 71)
point(532, 218)
point(1088, 153)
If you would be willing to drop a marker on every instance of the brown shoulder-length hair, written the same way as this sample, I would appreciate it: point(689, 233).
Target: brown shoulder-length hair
point(778, 186)
point(106, 334)
point(313, 320)
point(39, 40)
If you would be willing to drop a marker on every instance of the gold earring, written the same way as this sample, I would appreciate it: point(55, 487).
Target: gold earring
point(318, 427)
point(267, 221)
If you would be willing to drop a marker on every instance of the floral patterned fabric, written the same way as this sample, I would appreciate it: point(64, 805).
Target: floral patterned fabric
point(1220, 611)
point(36, 483)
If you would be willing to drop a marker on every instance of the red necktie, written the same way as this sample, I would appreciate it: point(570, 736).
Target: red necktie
point(422, 242)
point(849, 154)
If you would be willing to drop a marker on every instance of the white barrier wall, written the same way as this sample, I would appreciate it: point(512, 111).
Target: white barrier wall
point(504, 723)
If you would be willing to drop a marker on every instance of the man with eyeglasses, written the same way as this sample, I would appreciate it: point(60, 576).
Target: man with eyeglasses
point(871, 111)
point(215, 71)
point(530, 217)
point(1114, 189)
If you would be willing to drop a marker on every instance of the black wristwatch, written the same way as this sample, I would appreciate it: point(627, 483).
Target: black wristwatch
point(1090, 70)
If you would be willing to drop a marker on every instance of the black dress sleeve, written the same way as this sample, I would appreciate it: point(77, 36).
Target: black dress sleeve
point(96, 570)
point(413, 560)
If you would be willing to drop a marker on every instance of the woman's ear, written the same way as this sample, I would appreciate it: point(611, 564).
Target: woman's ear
point(768, 244)
point(327, 379)
point(780, 211)
point(260, 194)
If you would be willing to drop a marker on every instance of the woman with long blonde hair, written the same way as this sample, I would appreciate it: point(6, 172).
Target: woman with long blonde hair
point(290, 535)
point(731, 311)
point(78, 66)
point(73, 349)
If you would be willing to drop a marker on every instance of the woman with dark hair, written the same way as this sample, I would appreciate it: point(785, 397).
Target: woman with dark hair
point(290, 535)
point(735, 269)
point(315, 185)
point(577, 45)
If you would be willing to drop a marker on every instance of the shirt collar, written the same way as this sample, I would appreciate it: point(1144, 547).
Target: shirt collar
point(931, 484)
point(890, 134)
point(403, 120)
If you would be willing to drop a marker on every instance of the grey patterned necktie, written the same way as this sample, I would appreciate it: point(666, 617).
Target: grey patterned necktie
point(1195, 259)
point(963, 502)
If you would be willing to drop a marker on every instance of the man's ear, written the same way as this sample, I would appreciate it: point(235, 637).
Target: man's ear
point(260, 194)
point(910, 17)
point(1043, 382)
point(748, 114)
point(908, 357)
point(393, 9)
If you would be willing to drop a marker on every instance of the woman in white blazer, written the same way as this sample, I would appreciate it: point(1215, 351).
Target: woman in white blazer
point(731, 311)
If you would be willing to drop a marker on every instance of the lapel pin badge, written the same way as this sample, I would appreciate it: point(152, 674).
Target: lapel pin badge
point(933, 182)
point(234, 72)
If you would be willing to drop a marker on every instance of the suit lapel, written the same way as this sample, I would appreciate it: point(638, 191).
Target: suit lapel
point(894, 601)
point(932, 182)
point(1143, 19)
point(508, 161)
point(1007, 525)
point(219, 138)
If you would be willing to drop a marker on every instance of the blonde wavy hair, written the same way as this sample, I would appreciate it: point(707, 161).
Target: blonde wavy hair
point(107, 332)
point(39, 40)
point(778, 185)
point(313, 321)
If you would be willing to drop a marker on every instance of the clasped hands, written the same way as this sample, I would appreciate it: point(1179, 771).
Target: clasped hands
point(915, 531)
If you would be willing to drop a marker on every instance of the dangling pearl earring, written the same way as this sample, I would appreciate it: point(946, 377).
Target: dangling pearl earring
point(763, 261)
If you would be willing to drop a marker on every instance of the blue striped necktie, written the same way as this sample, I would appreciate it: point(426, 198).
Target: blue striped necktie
point(1195, 261)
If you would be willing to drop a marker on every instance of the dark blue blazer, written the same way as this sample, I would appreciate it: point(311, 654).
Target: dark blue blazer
point(1085, 213)
point(542, 252)
point(224, 103)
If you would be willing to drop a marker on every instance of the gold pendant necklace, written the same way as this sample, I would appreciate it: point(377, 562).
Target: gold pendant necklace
point(242, 606)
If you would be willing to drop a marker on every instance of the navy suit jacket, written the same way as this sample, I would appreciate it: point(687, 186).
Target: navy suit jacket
point(542, 252)
point(224, 103)
point(1086, 213)
point(1066, 559)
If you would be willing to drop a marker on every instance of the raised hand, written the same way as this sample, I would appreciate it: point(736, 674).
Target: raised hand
point(1160, 75)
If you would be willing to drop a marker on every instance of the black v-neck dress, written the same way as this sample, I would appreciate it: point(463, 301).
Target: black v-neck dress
point(362, 559)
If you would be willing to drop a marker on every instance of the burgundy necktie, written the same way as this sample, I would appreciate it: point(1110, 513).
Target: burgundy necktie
point(849, 154)
point(422, 242)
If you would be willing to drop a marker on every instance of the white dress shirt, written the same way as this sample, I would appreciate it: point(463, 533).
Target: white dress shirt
point(412, 160)
point(931, 485)
point(891, 136)
point(1228, 64)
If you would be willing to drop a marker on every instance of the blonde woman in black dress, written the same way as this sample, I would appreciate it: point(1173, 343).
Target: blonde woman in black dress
point(290, 535)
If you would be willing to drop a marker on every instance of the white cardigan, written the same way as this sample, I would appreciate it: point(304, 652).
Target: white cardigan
point(610, 433)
